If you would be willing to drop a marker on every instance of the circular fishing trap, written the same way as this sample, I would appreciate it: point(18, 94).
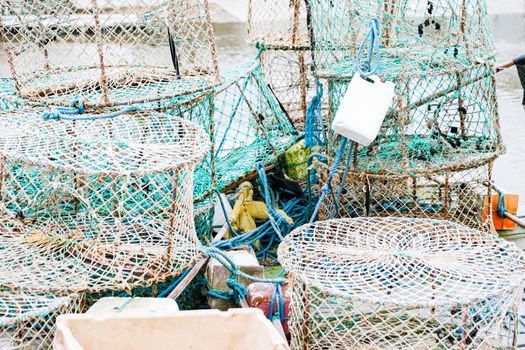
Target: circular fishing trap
point(416, 35)
point(433, 155)
point(92, 205)
point(394, 283)
point(461, 196)
point(28, 321)
point(440, 120)
point(107, 51)
point(278, 23)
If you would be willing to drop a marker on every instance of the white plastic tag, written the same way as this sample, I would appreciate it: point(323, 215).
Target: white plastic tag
point(363, 109)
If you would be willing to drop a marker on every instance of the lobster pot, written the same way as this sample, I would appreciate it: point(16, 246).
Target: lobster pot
point(450, 194)
point(432, 158)
point(435, 120)
point(27, 321)
point(277, 23)
point(250, 125)
point(433, 34)
point(288, 72)
point(97, 204)
point(108, 51)
point(394, 283)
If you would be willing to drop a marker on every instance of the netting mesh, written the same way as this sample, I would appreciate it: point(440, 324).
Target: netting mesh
point(288, 72)
point(250, 125)
point(439, 120)
point(459, 196)
point(27, 321)
point(393, 283)
point(108, 51)
point(417, 35)
point(277, 23)
point(433, 155)
point(92, 205)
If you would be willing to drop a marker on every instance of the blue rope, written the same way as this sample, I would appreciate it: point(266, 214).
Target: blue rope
point(328, 185)
point(238, 291)
point(366, 68)
point(225, 260)
point(173, 285)
point(502, 206)
point(77, 107)
point(314, 132)
point(272, 213)
point(278, 295)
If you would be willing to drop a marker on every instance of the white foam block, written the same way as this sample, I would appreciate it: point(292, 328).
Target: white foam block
point(363, 109)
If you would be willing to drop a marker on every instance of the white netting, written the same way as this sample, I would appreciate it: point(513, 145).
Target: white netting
point(108, 51)
point(395, 283)
point(289, 73)
point(93, 205)
point(27, 321)
point(277, 23)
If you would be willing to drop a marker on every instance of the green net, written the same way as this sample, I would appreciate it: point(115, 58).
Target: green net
point(418, 36)
point(250, 125)
point(435, 149)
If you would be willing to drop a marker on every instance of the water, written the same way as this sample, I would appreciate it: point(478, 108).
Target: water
point(509, 171)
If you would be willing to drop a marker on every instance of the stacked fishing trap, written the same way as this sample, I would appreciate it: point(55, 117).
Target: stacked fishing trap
point(434, 153)
point(399, 283)
point(109, 52)
point(116, 131)
point(278, 28)
point(98, 153)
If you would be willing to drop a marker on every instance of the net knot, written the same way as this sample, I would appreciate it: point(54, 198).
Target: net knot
point(54, 114)
point(399, 254)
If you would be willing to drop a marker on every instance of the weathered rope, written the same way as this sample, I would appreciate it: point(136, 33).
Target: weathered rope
point(238, 291)
point(367, 67)
point(77, 107)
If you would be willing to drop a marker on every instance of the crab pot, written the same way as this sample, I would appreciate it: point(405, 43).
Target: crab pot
point(448, 194)
point(277, 23)
point(27, 321)
point(395, 283)
point(100, 204)
point(417, 33)
point(433, 155)
point(108, 52)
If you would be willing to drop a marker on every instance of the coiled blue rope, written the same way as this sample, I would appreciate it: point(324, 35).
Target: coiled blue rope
point(238, 291)
point(272, 213)
point(367, 67)
point(76, 108)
